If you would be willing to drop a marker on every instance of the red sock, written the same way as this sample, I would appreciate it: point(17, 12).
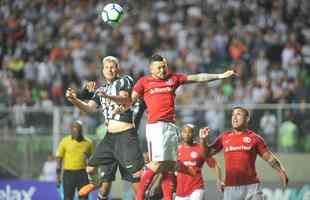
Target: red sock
point(167, 185)
point(145, 181)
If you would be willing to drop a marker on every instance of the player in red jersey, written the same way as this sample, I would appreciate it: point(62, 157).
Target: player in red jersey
point(241, 147)
point(193, 154)
point(158, 92)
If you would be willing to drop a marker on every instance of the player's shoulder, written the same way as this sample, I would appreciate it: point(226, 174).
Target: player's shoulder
point(88, 140)
point(177, 75)
point(124, 81)
point(145, 78)
point(197, 145)
point(181, 146)
point(226, 133)
point(254, 135)
point(126, 77)
point(66, 139)
point(101, 88)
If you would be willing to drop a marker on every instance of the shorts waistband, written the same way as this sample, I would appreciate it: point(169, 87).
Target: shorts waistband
point(120, 132)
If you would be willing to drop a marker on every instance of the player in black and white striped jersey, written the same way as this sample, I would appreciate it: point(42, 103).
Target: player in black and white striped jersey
point(120, 147)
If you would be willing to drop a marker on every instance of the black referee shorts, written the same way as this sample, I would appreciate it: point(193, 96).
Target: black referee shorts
point(118, 150)
point(73, 180)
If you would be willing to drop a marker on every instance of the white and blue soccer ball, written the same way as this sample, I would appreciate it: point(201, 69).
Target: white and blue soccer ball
point(112, 14)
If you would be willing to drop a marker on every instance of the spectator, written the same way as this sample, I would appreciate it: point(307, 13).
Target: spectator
point(268, 126)
point(288, 134)
point(49, 169)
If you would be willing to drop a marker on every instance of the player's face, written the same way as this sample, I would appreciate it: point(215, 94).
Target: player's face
point(110, 70)
point(187, 134)
point(158, 69)
point(75, 130)
point(239, 119)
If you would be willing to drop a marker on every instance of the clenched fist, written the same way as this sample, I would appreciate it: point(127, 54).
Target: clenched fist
point(70, 94)
point(90, 86)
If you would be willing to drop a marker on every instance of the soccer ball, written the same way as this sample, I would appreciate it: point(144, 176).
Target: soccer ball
point(112, 14)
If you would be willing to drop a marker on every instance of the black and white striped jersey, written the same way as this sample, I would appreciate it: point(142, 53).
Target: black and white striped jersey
point(108, 107)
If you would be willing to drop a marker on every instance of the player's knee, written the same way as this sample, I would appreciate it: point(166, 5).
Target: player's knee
point(90, 169)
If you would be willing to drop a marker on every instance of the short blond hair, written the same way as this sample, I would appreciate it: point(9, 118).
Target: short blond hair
point(111, 58)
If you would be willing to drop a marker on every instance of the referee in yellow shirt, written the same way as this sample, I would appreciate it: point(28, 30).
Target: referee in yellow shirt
point(72, 154)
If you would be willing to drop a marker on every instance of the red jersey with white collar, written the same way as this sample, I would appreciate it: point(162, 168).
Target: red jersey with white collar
point(240, 152)
point(191, 156)
point(159, 96)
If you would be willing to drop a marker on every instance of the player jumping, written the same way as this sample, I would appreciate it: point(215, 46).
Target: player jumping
point(158, 92)
point(120, 147)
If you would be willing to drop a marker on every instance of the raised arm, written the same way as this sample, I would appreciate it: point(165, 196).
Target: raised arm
point(212, 149)
point(203, 136)
point(275, 163)
point(89, 106)
point(204, 77)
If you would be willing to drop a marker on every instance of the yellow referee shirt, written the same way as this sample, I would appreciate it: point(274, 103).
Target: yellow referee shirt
point(73, 153)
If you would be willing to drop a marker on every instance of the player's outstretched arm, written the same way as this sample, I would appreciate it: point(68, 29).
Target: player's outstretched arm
point(205, 77)
point(89, 106)
point(276, 164)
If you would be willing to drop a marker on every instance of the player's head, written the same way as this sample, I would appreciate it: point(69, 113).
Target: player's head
point(76, 129)
point(240, 118)
point(187, 133)
point(158, 66)
point(110, 68)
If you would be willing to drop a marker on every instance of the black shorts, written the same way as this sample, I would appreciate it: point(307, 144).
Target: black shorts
point(118, 150)
point(73, 180)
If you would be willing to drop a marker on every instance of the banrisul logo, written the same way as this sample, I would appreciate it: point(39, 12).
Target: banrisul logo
point(9, 193)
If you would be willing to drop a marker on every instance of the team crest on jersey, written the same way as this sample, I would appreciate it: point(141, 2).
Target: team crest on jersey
point(169, 81)
point(194, 154)
point(246, 140)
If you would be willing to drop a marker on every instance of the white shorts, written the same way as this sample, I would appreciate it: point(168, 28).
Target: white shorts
point(196, 195)
point(244, 192)
point(162, 140)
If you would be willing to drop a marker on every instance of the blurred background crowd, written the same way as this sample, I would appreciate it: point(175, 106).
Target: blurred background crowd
point(50, 45)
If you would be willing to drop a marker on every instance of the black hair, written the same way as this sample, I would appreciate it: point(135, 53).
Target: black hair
point(244, 110)
point(157, 57)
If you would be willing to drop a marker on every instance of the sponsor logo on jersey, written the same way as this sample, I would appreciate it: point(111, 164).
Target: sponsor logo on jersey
point(246, 140)
point(237, 148)
point(161, 90)
point(189, 163)
point(194, 154)
point(169, 81)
